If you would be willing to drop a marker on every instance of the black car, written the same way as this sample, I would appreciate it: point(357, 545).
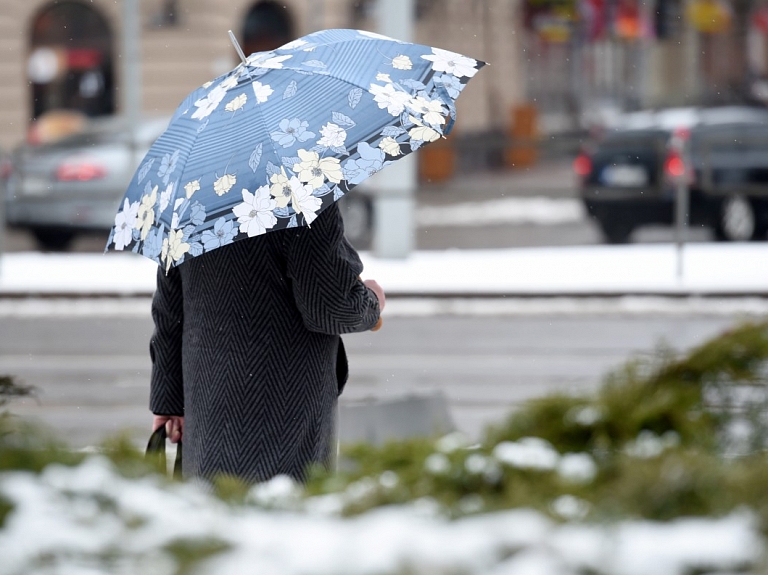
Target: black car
point(629, 175)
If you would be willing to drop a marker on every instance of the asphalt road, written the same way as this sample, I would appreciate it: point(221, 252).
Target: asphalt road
point(92, 372)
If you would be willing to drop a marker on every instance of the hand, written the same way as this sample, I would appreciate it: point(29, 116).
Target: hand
point(378, 290)
point(174, 426)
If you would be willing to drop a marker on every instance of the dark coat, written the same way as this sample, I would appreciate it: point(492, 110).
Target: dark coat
point(246, 346)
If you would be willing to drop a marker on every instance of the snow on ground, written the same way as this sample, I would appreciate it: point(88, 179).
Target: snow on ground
point(708, 269)
point(534, 210)
point(89, 520)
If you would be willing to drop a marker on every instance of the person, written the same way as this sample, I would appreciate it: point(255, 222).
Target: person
point(247, 358)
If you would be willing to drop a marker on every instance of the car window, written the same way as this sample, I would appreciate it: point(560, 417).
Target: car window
point(732, 154)
point(114, 131)
point(628, 160)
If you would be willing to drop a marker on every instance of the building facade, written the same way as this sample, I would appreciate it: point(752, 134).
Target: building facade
point(67, 54)
point(569, 59)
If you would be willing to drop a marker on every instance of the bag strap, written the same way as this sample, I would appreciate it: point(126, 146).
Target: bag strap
point(155, 453)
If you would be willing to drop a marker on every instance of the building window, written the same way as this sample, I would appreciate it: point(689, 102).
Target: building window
point(268, 25)
point(70, 63)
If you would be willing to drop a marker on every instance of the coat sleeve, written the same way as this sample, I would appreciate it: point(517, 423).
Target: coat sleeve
point(167, 385)
point(325, 273)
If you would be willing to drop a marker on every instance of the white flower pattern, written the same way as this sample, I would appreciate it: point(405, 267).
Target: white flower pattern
point(291, 191)
point(255, 213)
point(390, 146)
point(313, 170)
point(390, 97)
point(267, 60)
point(262, 92)
point(333, 136)
point(206, 106)
point(422, 133)
point(223, 184)
point(402, 62)
point(305, 203)
point(125, 221)
point(165, 197)
point(453, 63)
point(431, 111)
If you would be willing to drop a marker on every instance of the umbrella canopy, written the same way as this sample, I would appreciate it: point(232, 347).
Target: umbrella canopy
point(285, 134)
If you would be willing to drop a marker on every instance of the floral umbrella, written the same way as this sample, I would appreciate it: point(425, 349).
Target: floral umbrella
point(272, 143)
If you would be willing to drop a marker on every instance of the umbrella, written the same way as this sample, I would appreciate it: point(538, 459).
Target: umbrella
point(282, 136)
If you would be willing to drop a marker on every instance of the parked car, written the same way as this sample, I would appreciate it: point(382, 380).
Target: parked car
point(74, 185)
point(629, 174)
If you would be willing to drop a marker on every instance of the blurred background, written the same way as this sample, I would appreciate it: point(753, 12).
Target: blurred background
point(564, 74)
point(640, 122)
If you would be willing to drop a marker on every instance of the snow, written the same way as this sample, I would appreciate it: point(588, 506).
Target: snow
point(532, 210)
point(90, 520)
point(708, 268)
point(527, 453)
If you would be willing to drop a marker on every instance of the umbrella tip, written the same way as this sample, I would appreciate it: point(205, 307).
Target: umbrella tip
point(237, 47)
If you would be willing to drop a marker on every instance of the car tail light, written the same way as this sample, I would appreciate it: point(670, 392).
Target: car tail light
point(80, 171)
point(674, 166)
point(582, 165)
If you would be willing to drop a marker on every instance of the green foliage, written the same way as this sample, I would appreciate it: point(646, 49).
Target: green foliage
point(128, 460)
point(231, 489)
point(190, 552)
point(9, 388)
point(5, 509)
point(659, 431)
point(28, 448)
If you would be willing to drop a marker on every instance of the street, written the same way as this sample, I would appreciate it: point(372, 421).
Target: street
point(91, 370)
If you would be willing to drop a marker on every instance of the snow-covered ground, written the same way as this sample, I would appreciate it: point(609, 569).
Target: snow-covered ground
point(88, 520)
point(539, 210)
point(708, 269)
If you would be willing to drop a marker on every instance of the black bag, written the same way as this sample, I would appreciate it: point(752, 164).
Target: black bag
point(155, 454)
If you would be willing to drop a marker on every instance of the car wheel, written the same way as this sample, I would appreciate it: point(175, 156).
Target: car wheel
point(737, 219)
point(53, 240)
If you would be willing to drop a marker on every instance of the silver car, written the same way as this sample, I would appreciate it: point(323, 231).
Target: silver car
point(74, 185)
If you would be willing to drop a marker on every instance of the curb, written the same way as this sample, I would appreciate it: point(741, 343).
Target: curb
point(678, 294)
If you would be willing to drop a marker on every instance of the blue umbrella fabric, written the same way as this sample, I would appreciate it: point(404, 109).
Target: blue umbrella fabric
point(282, 136)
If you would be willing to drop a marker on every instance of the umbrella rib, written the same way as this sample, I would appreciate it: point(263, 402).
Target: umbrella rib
point(266, 133)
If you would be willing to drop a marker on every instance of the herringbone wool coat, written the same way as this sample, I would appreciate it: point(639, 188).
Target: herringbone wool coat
point(246, 346)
